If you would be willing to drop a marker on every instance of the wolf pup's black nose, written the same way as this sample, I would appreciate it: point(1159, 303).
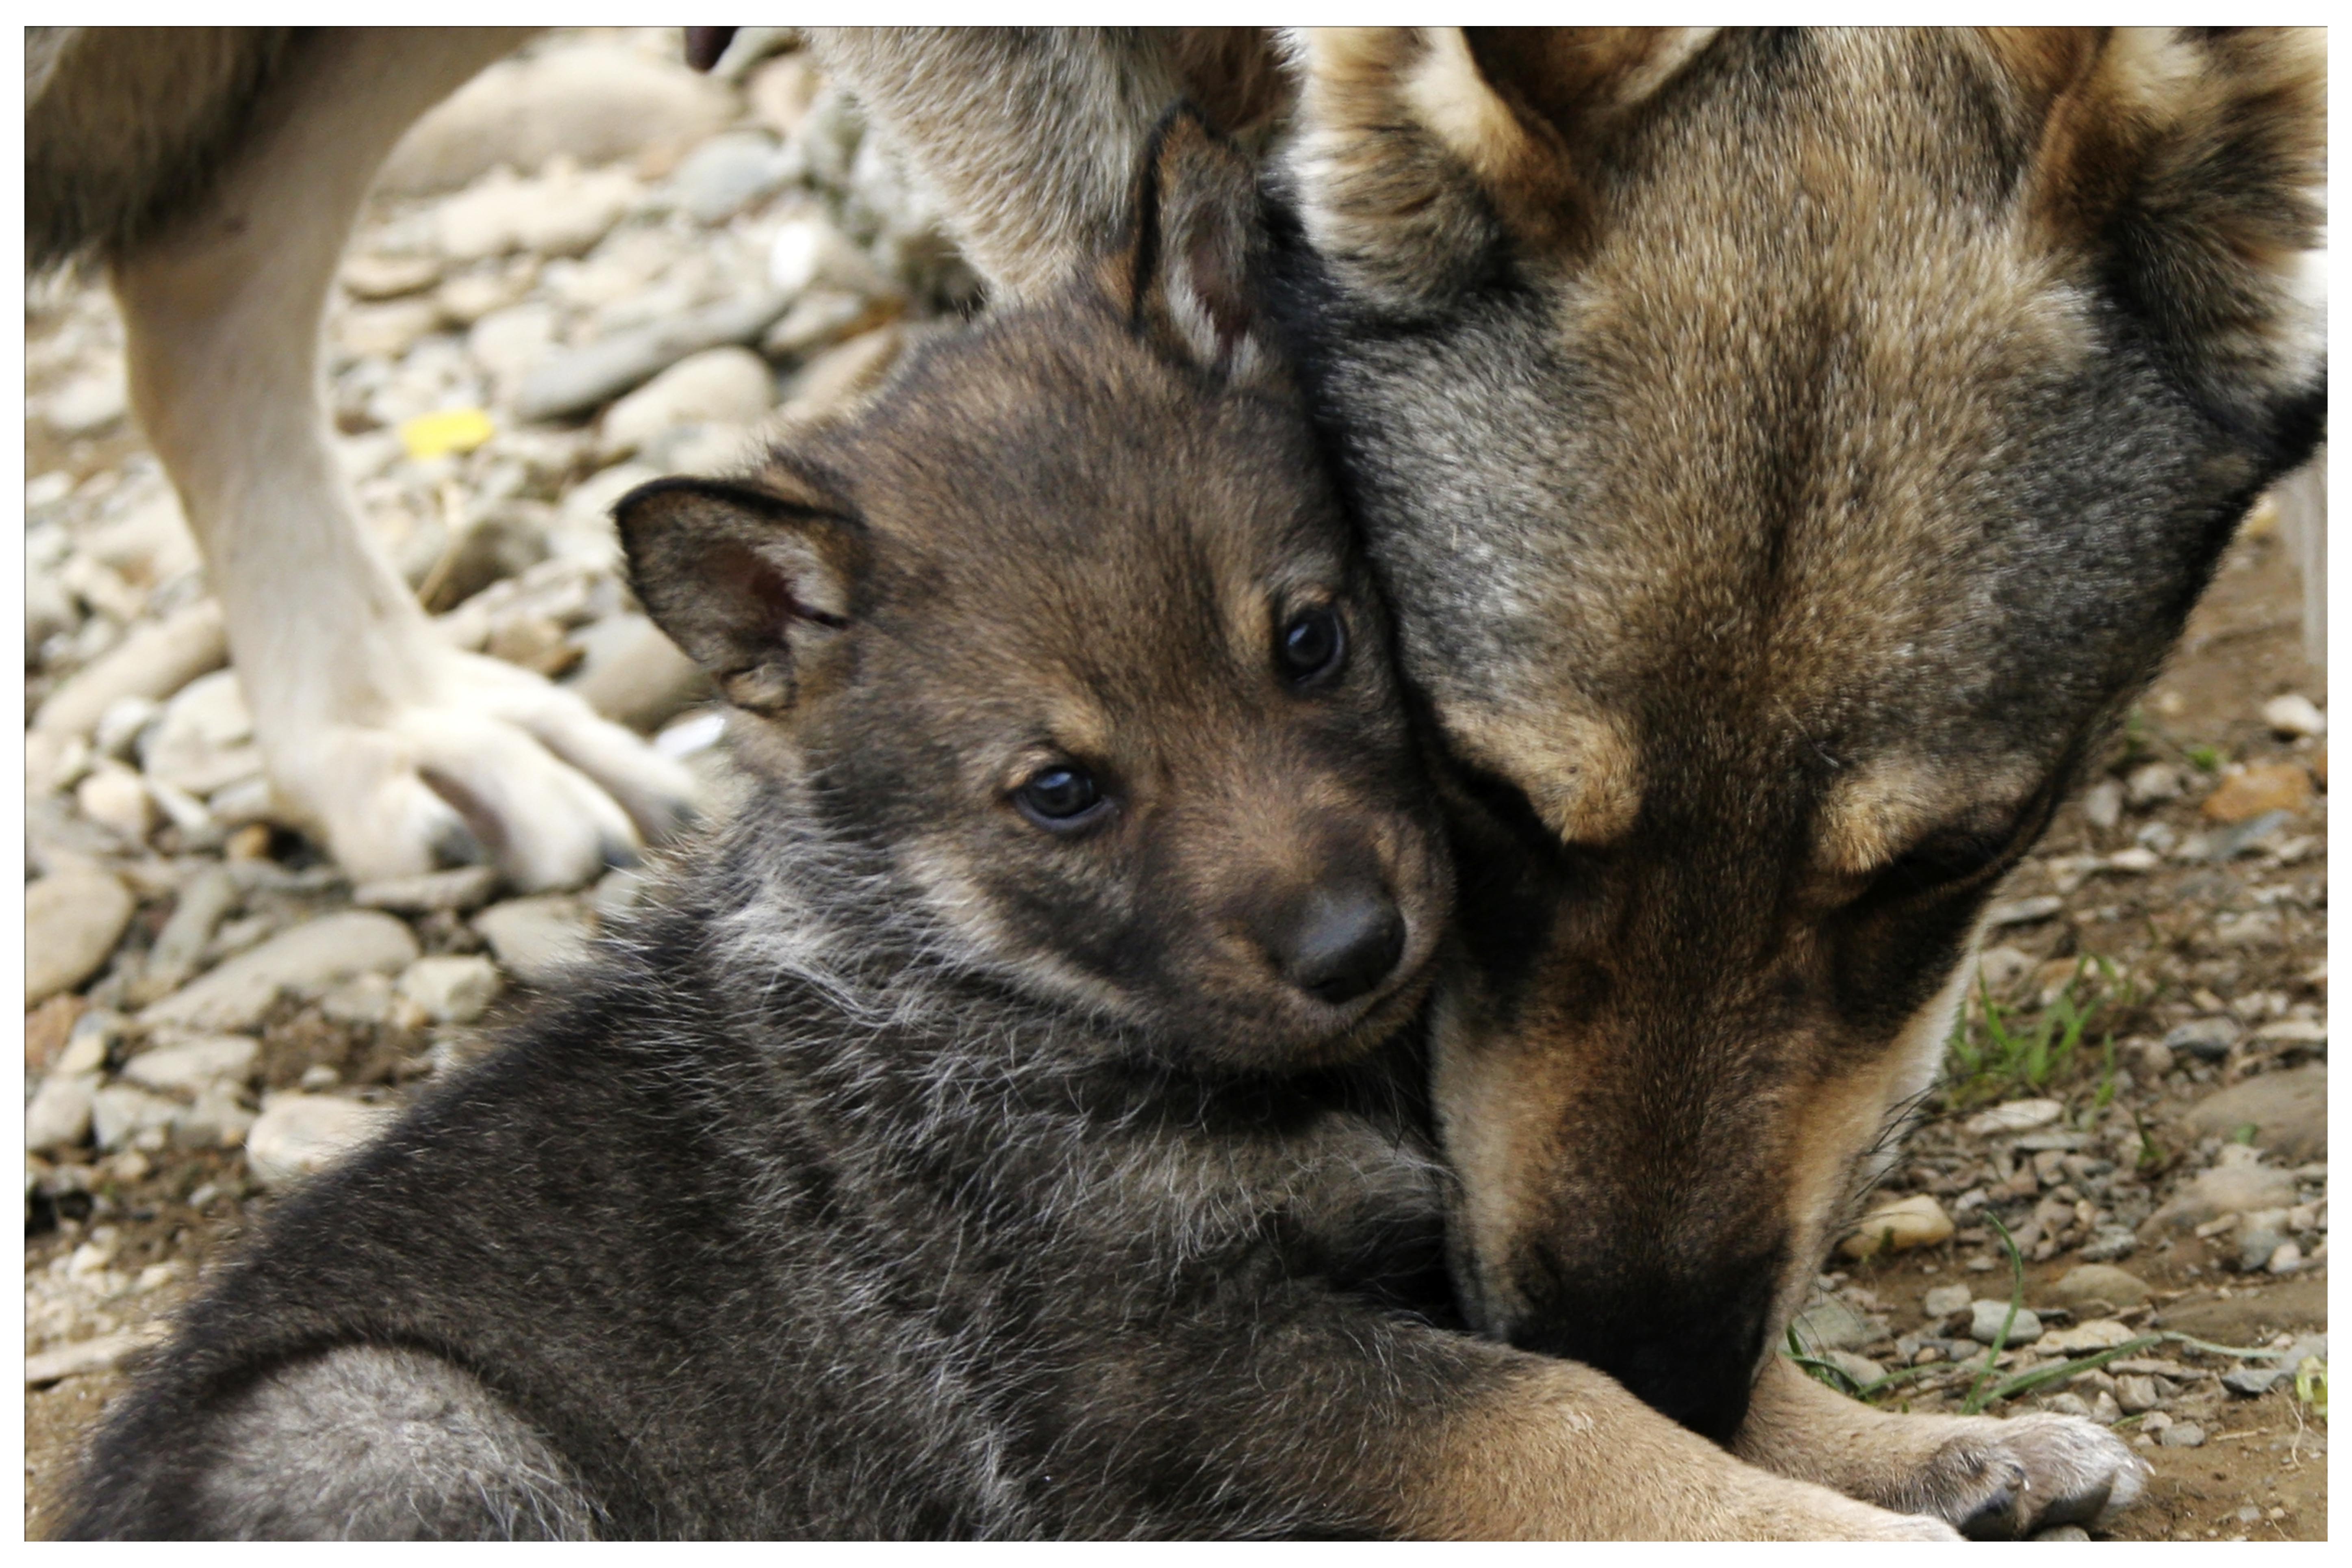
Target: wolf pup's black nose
point(1343, 943)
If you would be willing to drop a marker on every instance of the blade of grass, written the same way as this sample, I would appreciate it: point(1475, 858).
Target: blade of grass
point(1975, 1399)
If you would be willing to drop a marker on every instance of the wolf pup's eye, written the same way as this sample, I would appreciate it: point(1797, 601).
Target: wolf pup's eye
point(1311, 644)
point(1060, 799)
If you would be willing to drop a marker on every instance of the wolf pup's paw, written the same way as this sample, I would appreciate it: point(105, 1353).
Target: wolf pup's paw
point(2007, 1480)
point(488, 761)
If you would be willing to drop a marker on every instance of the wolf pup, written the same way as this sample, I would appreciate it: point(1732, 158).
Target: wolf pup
point(1786, 451)
point(1002, 1128)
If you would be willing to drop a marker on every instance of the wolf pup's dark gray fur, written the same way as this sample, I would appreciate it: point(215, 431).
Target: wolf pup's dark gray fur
point(1001, 1128)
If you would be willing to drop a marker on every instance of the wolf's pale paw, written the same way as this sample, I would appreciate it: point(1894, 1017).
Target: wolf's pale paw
point(2004, 1480)
point(496, 765)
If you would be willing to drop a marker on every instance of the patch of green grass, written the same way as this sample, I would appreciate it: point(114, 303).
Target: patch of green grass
point(1997, 1050)
point(2207, 758)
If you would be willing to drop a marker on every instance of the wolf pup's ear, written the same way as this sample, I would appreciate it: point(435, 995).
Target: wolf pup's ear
point(757, 582)
point(1184, 278)
point(2184, 169)
point(1423, 152)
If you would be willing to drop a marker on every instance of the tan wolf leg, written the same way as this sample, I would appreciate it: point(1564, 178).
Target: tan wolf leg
point(370, 725)
point(1991, 1478)
point(1568, 1455)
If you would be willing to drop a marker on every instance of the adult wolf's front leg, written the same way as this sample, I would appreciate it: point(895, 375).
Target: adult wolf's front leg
point(1320, 1417)
point(400, 751)
point(1991, 1478)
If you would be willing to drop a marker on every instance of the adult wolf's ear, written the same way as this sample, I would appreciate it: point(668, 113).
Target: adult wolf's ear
point(758, 581)
point(1184, 274)
point(2186, 167)
point(1422, 153)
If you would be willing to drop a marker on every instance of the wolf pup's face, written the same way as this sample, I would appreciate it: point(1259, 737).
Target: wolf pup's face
point(1069, 622)
point(1786, 453)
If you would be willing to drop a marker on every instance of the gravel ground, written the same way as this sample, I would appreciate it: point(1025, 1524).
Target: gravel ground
point(523, 334)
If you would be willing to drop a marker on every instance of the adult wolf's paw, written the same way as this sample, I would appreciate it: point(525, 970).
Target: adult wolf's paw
point(477, 760)
point(2004, 1480)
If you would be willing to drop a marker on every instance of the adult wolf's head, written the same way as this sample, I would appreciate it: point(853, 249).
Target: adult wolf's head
point(1786, 453)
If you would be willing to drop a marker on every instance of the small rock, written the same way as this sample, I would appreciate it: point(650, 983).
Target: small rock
point(1916, 1221)
point(47, 1028)
point(205, 899)
point(2207, 1039)
point(841, 375)
point(119, 1112)
point(469, 297)
point(1945, 1299)
point(1989, 1315)
point(2138, 861)
point(2023, 912)
point(450, 988)
point(2219, 1192)
point(94, 1036)
point(562, 213)
point(729, 386)
point(2182, 1435)
point(119, 725)
point(72, 920)
point(2062, 1533)
point(367, 276)
point(2001, 967)
point(781, 92)
point(2152, 1059)
point(465, 888)
point(2102, 804)
point(2263, 786)
point(2293, 1032)
point(297, 1135)
point(87, 404)
point(2109, 1242)
point(188, 1067)
point(205, 742)
point(822, 317)
point(2228, 843)
point(2152, 783)
point(308, 960)
point(810, 252)
point(365, 999)
point(386, 331)
point(117, 800)
point(2017, 1116)
point(511, 344)
point(1831, 1325)
point(2294, 714)
point(2287, 1109)
point(580, 378)
point(2136, 1395)
point(1860, 1368)
point(103, 1353)
point(535, 939)
point(2065, 1403)
point(728, 173)
point(633, 674)
point(317, 1077)
point(2096, 1334)
point(57, 1116)
point(2099, 1283)
point(592, 100)
point(154, 661)
point(216, 1119)
point(2256, 1242)
point(2286, 1258)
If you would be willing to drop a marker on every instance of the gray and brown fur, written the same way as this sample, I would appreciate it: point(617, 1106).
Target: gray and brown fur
point(1787, 453)
point(907, 1168)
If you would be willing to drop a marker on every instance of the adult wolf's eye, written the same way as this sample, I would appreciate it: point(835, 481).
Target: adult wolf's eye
point(1059, 798)
point(1311, 644)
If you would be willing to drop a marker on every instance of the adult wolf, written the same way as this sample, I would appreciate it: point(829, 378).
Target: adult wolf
point(1787, 453)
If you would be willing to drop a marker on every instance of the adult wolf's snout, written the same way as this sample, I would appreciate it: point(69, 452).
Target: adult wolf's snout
point(1687, 1348)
